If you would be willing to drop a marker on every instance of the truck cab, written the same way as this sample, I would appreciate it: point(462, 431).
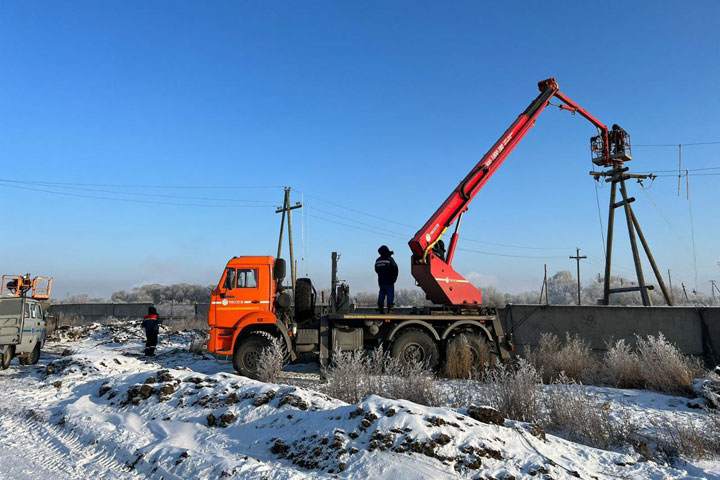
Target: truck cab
point(247, 308)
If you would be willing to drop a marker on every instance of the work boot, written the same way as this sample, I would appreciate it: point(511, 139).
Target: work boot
point(390, 307)
point(380, 308)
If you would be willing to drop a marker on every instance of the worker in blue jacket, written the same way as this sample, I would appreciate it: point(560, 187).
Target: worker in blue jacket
point(387, 272)
point(151, 324)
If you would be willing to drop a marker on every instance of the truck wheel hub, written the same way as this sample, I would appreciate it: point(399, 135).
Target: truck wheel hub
point(413, 352)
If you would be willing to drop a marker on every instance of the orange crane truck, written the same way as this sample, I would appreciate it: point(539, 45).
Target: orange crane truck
point(250, 305)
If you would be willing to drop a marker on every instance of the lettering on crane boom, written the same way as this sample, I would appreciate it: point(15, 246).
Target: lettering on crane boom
point(499, 149)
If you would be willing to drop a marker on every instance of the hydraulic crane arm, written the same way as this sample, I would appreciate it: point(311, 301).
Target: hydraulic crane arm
point(430, 267)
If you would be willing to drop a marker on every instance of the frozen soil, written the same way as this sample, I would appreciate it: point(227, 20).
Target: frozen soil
point(95, 408)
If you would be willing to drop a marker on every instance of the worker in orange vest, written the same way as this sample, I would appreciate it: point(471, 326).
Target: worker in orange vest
point(151, 324)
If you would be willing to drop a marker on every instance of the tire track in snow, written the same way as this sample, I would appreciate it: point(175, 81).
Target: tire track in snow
point(56, 449)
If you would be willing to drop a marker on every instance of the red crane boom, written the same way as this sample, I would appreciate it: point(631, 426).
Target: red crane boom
point(431, 268)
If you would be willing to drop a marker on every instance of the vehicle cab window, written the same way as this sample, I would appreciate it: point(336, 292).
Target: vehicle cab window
point(246, 278)
point(27, 310)
point(33, 311)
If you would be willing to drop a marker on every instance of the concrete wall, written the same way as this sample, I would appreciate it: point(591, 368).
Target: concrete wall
point(696, 331)
point(174, 317)
point(97, 312)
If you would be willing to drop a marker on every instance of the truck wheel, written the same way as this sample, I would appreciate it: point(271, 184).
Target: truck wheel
point(482, 351)
point(415, 346)
point(7, 357)
point(247, 353)
point(34, 357)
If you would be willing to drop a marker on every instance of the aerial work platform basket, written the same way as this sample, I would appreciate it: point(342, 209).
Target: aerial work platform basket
point(20, 285)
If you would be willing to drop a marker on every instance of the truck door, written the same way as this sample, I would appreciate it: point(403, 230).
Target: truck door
point(10, 321)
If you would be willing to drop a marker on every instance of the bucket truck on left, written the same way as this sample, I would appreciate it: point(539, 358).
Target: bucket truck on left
point(22, 318)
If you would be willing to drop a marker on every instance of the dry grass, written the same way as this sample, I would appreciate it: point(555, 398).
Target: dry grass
point(655, 364)
point(573, 358)
point(354, 375)
point(459, 360)
point(580, 416)
point(693, 438)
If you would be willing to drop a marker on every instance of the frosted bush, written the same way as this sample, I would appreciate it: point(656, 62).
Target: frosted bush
point(514, 391)
point(271, 361)
point(354, 375)
point(664, 367)
point(622, 366)
point(573, 357)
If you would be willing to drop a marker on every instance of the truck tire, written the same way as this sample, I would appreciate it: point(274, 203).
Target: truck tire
point(415, 346)
point(247, 353)
point(7, 357)
point(482, 351)
point(33, 358)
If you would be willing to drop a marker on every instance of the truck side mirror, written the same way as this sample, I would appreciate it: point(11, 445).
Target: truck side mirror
point(279, 270)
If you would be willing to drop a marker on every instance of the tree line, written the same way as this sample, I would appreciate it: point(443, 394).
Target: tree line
point(562, 290)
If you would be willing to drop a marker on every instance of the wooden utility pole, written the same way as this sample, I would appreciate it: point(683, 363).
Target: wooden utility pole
point(287, 210)
point(617, 176)
point(544, 288)
point(577, 258)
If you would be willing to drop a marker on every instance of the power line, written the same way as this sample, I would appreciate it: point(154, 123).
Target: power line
point(385, 233)
point(672, 144)
point(141, 194)
point(410, 226)
point(675, 170)
point(196, 187)
point(509, 255)
point(95, 197)
point(357, 211)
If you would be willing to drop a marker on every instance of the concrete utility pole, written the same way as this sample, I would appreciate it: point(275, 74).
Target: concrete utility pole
point(577, 258)
point(672, 295)
point(713, 287)
point(287, 210)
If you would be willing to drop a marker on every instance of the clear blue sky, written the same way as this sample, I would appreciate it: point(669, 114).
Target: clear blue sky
point(380, 107)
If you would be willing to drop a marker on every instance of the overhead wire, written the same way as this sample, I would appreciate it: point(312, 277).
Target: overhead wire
point(673, 144)
point(140, 194)
point(189, 187)
point(97, 197)
point(397, 223)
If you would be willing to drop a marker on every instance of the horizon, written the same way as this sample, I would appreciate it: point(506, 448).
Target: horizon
point(149, 143)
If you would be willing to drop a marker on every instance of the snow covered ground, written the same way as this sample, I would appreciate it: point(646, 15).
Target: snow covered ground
point(94, 408)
